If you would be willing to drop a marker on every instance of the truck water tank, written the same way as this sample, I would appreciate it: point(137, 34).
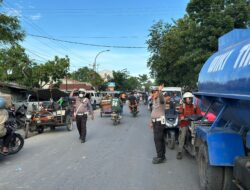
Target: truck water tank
point(226, 76)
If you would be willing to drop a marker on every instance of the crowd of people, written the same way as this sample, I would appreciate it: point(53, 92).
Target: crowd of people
point(159, 104)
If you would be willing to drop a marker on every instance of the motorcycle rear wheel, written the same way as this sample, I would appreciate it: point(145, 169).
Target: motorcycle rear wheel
point(16, 143)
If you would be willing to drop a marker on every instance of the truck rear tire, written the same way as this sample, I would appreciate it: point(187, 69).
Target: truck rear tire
point(228, 179)
point(211, 177)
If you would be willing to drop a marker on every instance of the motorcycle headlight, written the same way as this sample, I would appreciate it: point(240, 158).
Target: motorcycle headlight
point(28, 116)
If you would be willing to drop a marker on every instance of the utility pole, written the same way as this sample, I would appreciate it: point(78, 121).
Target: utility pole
point(95, 65)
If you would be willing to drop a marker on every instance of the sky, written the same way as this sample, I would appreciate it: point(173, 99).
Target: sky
point(99, 22)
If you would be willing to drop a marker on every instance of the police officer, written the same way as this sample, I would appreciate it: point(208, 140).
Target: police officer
point(158, 124)
point(83, 107)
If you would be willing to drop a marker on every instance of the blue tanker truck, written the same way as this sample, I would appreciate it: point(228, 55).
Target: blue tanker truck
point(223, 148)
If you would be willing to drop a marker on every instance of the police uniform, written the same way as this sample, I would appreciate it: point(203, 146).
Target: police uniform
point(158, 121)
point(83, 107)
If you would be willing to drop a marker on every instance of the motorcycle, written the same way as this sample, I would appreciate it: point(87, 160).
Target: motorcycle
point(134, 110)
point(171, 127)
point(16, 141)
point(116, 118)
point(190, 142)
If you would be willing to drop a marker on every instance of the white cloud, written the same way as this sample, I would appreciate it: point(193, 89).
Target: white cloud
point(36, 16)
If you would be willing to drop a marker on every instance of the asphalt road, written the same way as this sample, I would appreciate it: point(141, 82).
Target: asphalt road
point(113, 158)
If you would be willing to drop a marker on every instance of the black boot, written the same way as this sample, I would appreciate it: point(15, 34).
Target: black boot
point(158, 160)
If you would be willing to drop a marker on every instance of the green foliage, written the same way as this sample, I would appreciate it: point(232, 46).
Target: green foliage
point(49, 73)
point(125, 82)
point(85, 74)
point(10, 29)
point(178, 51)
point(15, 65)
point(12, 61)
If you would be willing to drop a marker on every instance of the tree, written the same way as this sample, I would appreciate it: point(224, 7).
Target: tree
point(49, 73)
point(125, 82)
point(145, 82)
point(12, 56)
point(132, 83)
point(12, 62)
point(85, 74)
point(119, 78)
point(10, 29)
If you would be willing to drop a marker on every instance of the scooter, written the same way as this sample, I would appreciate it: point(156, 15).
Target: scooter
point(17, 141)
point(171, 127)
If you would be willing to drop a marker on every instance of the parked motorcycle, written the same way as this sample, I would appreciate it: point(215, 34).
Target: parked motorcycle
point(20, 115)
point(171, 126)
point(17, 141)
point(116, 118)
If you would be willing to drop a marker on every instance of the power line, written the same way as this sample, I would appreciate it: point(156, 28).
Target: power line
point(41, 31)
point(87, 44)
point(32, 52)
point(102, 37)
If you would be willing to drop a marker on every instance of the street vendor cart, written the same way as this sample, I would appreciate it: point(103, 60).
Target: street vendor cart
point(105, 106)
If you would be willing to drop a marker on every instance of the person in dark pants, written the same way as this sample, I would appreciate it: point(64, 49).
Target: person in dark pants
point(158, 124)
point(83, 107)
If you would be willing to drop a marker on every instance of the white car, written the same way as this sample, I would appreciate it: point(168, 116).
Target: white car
point(95, 97)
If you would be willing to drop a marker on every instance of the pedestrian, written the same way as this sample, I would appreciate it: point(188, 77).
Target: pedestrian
point(158, 124)
point(83, 108)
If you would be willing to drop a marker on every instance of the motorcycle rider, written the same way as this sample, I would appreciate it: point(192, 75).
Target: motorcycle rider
point(123, 99)
point(5, 133)
point(132, 101)
point(167, 101)
point(158, 124)
point(116, 104)
point(187, 108)
point(175, 97)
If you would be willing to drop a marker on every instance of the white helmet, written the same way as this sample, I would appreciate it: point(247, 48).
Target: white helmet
point(187, 95)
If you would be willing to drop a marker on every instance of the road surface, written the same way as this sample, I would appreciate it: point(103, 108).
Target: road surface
point(113, 158)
